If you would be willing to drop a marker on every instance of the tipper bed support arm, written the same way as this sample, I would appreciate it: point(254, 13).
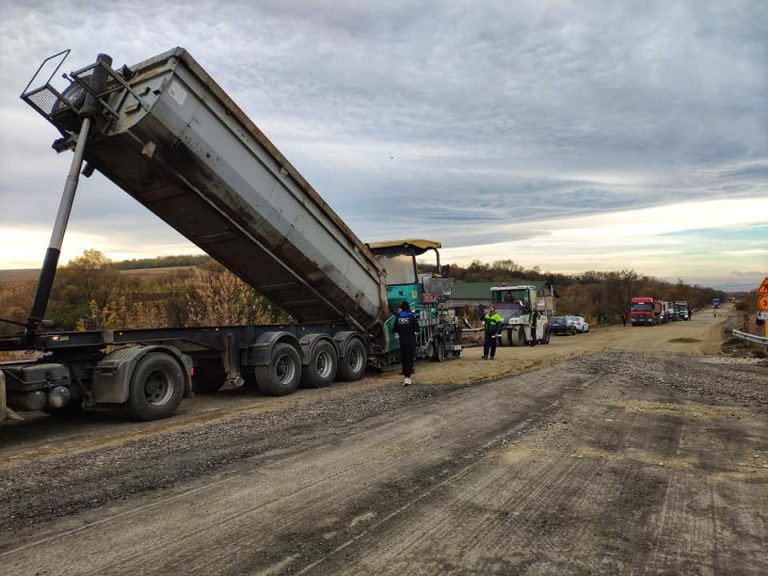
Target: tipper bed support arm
point(48, 272)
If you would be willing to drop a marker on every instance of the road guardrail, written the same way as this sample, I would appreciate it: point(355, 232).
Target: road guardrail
point(750, 337)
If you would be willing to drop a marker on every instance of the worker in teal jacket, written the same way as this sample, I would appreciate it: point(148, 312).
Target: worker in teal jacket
point(492, 324)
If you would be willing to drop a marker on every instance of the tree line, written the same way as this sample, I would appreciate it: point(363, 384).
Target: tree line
point(163, 262)
point(91, 293)
point(601, 297)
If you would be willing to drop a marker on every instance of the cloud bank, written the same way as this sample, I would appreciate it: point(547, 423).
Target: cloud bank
point(480, 124)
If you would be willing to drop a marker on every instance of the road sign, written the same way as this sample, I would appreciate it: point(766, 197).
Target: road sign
point(763, 287)
point(762, 302)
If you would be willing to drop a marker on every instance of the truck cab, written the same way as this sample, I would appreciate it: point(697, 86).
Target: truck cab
point(682, 310)
point(668, 312)
point(644, 310)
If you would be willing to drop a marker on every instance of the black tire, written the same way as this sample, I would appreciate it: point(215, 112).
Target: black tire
point(572, 331)
point(283, 373)
point(156, 388)
point(438, 348)
point(322, 367)
point(517, 337)
point(352, 365)
point(545, 337)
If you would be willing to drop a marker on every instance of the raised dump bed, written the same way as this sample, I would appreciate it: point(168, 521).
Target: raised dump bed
point(179, 145)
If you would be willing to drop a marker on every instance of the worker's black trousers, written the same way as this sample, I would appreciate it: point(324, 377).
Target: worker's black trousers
point(407, 353)
point(489, 345)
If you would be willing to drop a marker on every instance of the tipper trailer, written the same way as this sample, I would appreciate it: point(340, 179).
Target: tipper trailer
point(169, 136)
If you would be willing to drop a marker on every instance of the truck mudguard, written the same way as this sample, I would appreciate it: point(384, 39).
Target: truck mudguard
point(260, 352)
point(309, 342)
point(343, 339)
point(112, 375)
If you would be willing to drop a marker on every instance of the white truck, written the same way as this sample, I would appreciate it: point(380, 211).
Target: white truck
point(525, 314)
point(668, 312)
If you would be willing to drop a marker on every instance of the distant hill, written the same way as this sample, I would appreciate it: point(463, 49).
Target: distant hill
point(20, 274)
point(155, 271)
point(33, 274)
point(142, 267)
point(164, 262)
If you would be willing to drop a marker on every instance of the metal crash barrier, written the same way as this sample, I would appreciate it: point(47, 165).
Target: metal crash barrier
point(750, 337)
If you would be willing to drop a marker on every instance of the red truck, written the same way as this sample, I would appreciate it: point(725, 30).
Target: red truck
point(644, 310)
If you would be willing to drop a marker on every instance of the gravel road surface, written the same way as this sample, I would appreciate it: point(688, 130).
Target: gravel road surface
point(622, 451)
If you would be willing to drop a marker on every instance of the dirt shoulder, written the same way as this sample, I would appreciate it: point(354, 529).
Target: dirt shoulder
point(639, 423)
point(703, 335)
point(606, 463)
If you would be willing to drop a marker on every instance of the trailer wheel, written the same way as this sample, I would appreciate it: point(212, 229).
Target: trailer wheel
point(352, 365)
point(438, 354)
point(156, 388)
point(282, 375)
point(322, 367)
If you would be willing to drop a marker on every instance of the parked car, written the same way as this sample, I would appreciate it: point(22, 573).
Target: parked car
point(578, 323)
point(560, 325)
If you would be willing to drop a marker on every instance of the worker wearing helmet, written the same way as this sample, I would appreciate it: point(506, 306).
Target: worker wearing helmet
point(492, 324)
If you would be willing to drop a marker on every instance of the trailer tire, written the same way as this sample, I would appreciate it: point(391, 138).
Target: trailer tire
point(438, 347)
point(281, 376)
point(156, 388)
point(352, 365)
point(322, 367)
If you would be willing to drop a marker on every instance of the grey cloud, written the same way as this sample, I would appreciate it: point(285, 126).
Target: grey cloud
point(458, 115)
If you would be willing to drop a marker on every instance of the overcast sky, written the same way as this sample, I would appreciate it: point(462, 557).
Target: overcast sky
point(572, 136)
